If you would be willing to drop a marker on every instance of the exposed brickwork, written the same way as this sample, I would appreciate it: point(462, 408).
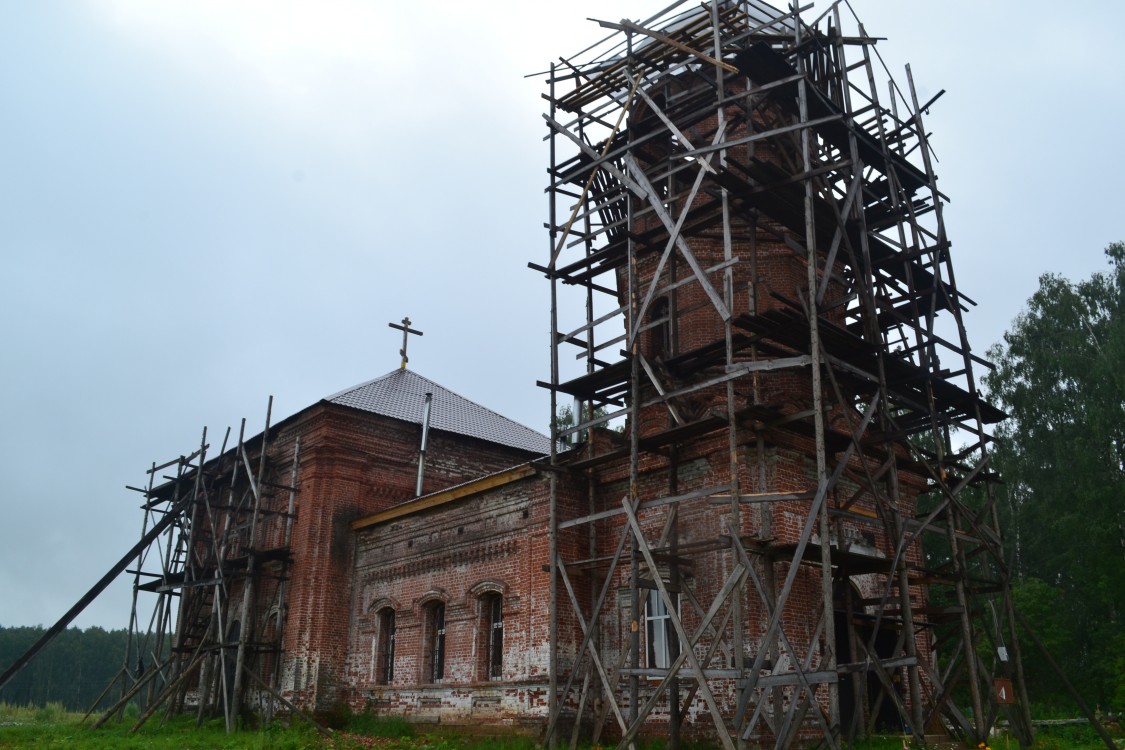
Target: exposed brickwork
point(352, 463)
point(456, 554)
point(497, 541)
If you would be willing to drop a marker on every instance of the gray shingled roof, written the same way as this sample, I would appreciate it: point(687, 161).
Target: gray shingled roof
point(401, 394)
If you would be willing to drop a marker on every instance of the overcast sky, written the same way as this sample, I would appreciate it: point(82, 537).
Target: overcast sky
point(203, 203)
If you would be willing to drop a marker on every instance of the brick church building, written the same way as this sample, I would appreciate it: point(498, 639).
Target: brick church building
point(433, 604)
point(743, 559)
point(382, 586)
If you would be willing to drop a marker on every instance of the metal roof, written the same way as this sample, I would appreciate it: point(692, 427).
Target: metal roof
point(401, 393)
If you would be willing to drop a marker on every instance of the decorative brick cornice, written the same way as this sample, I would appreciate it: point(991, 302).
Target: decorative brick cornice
point(469, 555)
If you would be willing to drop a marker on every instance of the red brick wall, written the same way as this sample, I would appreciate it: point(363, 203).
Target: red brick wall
point(352, 464)
point(495, 542)
point(485, 543)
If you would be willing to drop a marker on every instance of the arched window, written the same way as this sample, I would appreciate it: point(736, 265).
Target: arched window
point(492, 635)
point(384, 666)
point(433, 656)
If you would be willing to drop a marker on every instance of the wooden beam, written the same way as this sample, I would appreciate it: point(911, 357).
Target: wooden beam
point(436, 499)
point(629, 25)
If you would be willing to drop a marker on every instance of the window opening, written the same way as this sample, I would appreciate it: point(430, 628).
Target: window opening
point(385, 666)
point(269, 653)
point(436, 644)
point(661, 335)
point(230, 657)
point(662, 645)
point(493, 607)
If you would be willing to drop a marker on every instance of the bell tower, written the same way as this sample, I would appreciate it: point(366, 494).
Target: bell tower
point(749, 259)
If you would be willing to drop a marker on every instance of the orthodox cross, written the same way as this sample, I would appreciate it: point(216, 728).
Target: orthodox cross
point(406, 331)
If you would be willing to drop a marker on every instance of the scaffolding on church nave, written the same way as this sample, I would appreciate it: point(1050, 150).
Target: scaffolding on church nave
point(789, 531)
point(209, 580)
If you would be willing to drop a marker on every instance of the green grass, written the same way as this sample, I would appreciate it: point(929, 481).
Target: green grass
point(1075, 737)
point(370, 725)
point(51, 727)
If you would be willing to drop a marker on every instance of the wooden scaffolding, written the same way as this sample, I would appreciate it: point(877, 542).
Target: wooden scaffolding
point(215, 576)
point(692, 156)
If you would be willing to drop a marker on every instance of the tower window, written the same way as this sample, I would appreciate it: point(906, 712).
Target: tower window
point(662, 646)
point(660, 335)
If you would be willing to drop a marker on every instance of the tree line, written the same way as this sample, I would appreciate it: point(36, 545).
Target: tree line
point(73, 669)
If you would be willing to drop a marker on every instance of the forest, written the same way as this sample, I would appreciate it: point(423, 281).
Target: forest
point(73, 669)
point(1059, 374)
